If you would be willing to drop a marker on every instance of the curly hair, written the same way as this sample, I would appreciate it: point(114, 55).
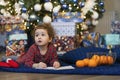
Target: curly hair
point(46, 26)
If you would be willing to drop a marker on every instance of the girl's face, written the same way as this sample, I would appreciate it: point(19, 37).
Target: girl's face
point(41, 37)
point(21, 42)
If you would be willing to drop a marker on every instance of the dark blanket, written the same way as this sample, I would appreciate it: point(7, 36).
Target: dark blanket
point(70, 58)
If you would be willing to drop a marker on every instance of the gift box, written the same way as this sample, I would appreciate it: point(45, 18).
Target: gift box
point(111, 40)
point(16, 42)
point(64, 43)
point(65, 36)
point(92, 39)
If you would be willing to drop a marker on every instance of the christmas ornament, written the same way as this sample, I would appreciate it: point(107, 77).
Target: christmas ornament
point(33, 17)
point(24, 10)
point(102, 10)
point(37, 7)
point(17, 8)
point(2, 11)
point(3, 3)
point(75, 1)
point(85, 27)
point(62, 1)
point(22, 27)
point(95, 15)
point(82, 4)
point(47, 19)
point(56, 9)
point(64, 6)
point(48, 6)
point(8, 28)
point(94, 22)
point(25, 16)
point(21, 2)
point(101, 4)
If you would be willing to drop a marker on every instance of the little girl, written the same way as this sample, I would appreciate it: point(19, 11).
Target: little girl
point(42, 53)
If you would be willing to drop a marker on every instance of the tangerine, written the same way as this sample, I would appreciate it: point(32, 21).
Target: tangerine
point(92, 63)
point(96, 57)
point(110, 60)
point(103, 59)
point(80, 63)
point(86, 61)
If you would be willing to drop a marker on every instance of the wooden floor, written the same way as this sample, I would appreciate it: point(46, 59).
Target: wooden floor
point(38, 76)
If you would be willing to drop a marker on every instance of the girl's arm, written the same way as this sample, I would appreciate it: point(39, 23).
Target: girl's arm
point(54, 56)
point(29, 57)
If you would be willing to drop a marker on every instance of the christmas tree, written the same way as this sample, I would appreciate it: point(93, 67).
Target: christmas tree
point(42, 10)
point(85, 13)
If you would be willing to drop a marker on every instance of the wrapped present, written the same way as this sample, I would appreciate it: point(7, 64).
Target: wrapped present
point(64, 43)
point(16, 47)
point(65, 36)
point(17, 40)
point(111, 40)
point(92, 39)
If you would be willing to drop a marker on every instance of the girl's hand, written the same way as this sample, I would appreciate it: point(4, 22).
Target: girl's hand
point(42, 65)
point(56, 64)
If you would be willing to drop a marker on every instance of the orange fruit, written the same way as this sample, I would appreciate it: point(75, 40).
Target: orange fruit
point(86, 61)
point(110, 60)
point(92, 63)
point(80, 63)
point(96, 57)
point(103, 59)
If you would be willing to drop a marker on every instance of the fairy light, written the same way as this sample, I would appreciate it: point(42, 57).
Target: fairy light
point(55, 2)
point(74, 4)
point(51, 10)
point(77, 7)
point(95, 8)
point(31, 8)
point(38, 20)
